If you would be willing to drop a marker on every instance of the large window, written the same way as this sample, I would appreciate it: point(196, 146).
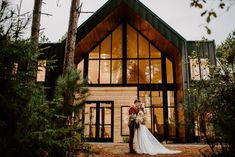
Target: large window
point(105, 60)
point(142, 61)
point(157, 120)
point(153, 103)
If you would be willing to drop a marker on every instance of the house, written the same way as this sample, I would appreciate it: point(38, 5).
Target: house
point(127, 52)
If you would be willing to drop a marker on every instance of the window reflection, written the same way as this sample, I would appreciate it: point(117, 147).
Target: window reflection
point(158, 121)
point(154, 112)
point(105, 51)
point(169, 71)
point(143, 47)
point(131, 42)
point(94, 54)
point(156, 71)
point(124, 120)
point(132, 71)
point(41, 73)
point(171, 112)
point(144, 71)
point(154, 53)
point(157, 99)
point(117, 43)
point(105, 61)
point(116, 71)
point(93, 71)
point(143, 64)
point(105, 71)
point(149, 69)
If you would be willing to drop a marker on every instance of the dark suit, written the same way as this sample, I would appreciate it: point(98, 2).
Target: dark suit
point(132, 126)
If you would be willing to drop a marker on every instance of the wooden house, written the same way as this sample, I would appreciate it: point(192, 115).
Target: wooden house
point(127, 52)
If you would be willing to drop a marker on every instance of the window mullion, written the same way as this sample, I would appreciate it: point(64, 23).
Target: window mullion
point(111, 58)
point(99, 63)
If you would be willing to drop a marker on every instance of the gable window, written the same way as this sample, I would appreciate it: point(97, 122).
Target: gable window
point(169, 71)
point(105, 60)
point(142, 61)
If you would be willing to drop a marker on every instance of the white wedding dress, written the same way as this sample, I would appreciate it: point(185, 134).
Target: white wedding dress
point(147, 143)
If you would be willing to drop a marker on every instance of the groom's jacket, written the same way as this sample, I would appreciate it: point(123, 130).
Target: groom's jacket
point(133, 111)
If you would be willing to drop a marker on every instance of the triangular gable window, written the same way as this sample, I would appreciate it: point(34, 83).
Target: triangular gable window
point(142, 61)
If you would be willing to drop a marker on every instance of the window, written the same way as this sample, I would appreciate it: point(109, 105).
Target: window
point(131, 42)
point(169, 71)
point(15, 68)
point(124, 120)
point(105, 60)
point(41, 73)
point(171, 112)
point(143, 60)
point(80, 66)
point(199, 73)
point(93, 69)
point(154, 114)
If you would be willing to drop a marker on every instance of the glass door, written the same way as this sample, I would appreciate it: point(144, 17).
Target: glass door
point(98, 121)
point(160, 113)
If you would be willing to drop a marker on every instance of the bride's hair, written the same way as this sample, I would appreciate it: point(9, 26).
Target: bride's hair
point(141, 107)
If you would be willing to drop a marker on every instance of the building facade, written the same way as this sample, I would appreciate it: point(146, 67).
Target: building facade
point(127, 52)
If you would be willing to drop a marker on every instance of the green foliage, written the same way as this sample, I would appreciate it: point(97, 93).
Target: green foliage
point(71, 87)
point(226, 51)
point(213, 106)
point(208, 9)
point(30, 125)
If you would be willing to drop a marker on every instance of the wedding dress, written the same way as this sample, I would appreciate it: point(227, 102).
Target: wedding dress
point(147, 143)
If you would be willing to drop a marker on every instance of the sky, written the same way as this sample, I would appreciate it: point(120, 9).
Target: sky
point(176, 13)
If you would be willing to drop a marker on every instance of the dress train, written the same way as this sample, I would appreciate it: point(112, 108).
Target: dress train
point(148, 144)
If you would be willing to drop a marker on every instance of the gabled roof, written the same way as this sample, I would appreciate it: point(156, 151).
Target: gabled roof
point(113, 12)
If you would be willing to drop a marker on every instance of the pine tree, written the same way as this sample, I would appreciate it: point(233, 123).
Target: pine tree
point(31, 125)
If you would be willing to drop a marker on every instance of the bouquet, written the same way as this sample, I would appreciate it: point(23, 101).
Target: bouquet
point(140, 119)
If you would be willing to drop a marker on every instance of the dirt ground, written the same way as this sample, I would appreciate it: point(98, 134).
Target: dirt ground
point(122, 150)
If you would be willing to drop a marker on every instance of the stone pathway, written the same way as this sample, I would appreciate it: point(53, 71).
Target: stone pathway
point(122, 150)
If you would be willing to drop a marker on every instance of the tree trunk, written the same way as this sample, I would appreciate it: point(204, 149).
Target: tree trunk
point(71, 38)
point(36, 23)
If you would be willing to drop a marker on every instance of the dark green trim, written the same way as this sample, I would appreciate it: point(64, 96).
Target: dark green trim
point(124, 50)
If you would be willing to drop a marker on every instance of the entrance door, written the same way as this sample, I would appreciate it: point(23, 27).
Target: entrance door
point(98, 121)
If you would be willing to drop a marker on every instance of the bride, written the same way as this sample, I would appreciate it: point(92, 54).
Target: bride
point(146, 142)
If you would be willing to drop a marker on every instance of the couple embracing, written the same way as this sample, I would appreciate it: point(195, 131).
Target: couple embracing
point(146, 142)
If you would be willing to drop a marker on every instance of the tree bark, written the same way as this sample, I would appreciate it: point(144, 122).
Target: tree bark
point(71, 37)
point(36, 23)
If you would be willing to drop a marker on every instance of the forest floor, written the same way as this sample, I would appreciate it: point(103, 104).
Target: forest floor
point(122, 150)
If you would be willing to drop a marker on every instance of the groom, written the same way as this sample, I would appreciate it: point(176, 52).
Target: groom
point(133, 111)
